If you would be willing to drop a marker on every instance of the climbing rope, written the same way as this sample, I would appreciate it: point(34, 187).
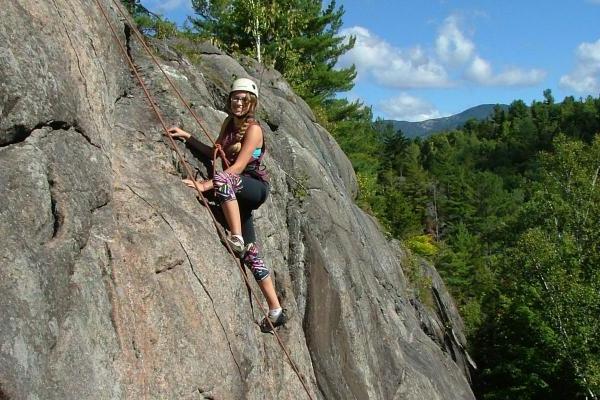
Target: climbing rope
point(173, 86)
point(186, 165)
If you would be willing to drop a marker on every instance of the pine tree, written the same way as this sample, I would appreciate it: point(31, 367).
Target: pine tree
point(299, 38)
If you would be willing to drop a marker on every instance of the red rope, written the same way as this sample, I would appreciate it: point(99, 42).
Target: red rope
point(188, 169)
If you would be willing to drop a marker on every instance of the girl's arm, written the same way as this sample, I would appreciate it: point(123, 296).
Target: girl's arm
point(206, 150)
point(189, 139)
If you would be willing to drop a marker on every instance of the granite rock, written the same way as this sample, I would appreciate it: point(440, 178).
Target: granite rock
point(113, 281)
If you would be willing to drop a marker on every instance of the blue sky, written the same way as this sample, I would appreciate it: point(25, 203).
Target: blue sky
point(418, 60)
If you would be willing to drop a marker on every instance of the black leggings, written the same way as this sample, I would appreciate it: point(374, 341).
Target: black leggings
point(252, 195)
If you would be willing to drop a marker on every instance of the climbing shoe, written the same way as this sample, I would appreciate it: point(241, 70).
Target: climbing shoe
point(281, 319)
point(236, 243)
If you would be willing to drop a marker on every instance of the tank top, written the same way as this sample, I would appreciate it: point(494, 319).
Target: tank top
point(255, 168)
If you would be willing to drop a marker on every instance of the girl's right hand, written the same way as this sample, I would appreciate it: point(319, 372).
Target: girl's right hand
point(178, 133)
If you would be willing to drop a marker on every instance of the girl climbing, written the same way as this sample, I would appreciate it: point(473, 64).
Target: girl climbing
point(243, 186)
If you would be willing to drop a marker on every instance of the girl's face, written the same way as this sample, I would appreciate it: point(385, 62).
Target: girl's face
point(239, 103)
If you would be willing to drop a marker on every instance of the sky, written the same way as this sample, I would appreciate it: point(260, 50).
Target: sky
point(418, 60)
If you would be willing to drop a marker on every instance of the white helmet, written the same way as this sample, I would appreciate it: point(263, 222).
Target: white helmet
point(244, 84)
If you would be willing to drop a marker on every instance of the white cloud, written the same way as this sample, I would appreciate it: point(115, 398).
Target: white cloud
point(594, 1)
point(585, 78)
point(408, 108)
point(452, 46)
point(455, 55)
point(455, 49)
point(389, 66)
point(480, 71)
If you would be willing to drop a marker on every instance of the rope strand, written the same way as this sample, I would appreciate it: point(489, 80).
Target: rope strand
point(137, 33)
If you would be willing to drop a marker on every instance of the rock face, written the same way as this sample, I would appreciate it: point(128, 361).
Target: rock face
point(113, 281)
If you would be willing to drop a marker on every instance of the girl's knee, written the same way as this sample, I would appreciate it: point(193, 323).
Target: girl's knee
point(227, 185)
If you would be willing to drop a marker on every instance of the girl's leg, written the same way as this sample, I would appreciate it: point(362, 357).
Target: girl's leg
point(268, 289)
point(231, 210)
point(261, 273)
point(227, 186)
point(250, 192)
point(266, 285)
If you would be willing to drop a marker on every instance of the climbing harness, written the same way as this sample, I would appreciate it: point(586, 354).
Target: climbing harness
point(185, 164)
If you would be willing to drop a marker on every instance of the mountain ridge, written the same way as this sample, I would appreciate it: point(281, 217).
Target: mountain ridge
point(430, 126)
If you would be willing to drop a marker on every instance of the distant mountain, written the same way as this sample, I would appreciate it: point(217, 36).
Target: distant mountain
point(431, 126)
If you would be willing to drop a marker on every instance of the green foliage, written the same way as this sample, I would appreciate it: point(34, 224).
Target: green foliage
point(513, 206)
point(296, 37)
point(367, 190)
point(300, 187)
point(422, 245)
point(520, 211)
point(419, 281)
point(192, 55)
point(156, 26)
point(149, 23)
point(556, 256)
point(134, 7)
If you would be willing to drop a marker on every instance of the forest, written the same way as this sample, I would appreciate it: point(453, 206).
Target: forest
point(507, 208)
